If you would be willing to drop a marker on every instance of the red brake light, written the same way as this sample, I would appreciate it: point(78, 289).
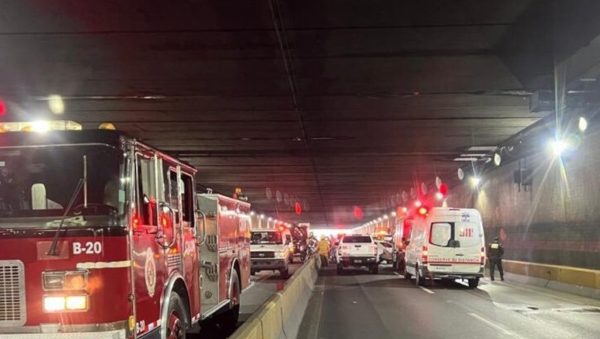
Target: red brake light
point(2, 107)
point(425, 254)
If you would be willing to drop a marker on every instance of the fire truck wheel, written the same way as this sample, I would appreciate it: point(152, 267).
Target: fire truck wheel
point(176, 318)
point(233, 314)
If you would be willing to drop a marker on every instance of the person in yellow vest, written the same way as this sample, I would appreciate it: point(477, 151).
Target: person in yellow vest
point(323, 249)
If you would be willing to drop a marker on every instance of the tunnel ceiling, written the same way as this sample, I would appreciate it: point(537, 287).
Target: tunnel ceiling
point(331, 103)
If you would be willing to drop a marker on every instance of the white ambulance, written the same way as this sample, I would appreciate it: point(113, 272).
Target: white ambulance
point(446, 243)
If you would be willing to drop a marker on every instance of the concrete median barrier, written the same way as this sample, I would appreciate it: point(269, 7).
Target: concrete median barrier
point(280, 316)
point(581, 281)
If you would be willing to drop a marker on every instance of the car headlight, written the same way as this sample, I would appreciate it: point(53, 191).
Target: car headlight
point(54, 303)
point(280, 255)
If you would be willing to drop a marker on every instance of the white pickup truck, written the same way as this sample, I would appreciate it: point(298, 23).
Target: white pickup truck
point(357, 251)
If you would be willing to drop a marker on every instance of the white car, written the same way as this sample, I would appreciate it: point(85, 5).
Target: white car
point(357, 251)
point(271, 250)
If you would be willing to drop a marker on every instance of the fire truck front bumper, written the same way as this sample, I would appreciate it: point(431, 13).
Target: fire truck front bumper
point(114, 334)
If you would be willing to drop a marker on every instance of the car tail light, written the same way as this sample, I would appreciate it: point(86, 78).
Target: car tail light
point(425, 254)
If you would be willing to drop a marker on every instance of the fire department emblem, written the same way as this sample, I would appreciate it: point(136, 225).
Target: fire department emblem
point(150, 272)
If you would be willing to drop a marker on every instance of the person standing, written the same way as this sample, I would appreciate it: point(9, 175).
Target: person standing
point(495, 253)
point(323, 249)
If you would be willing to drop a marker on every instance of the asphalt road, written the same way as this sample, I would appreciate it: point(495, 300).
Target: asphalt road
point(361, 305)
point(264, 285)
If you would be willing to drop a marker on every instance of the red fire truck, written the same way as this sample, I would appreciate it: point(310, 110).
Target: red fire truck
point(102, 236)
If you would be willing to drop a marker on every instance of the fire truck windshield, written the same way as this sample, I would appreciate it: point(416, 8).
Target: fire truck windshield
point(36, 184)
point(265, 237)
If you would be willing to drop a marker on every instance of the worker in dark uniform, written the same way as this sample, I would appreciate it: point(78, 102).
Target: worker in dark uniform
point(495, 253)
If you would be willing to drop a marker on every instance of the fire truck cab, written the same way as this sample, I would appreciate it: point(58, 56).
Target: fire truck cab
point(103, 236)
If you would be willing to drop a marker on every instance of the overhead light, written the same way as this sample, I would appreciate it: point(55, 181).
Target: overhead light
point(439, 196)
point(252, 213)
point(393, 214)
point(466, 159)
point(262, 216)
point(56, 104)
point(482, 148)
point(385, 216)
point(418, 203)
point(497, 159)
point(473, 154)
point(558, 146)
point(475, 181)
point(583, 124)
point(460, 173)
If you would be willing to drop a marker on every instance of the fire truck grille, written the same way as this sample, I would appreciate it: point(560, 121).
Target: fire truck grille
point(12, 293)
point(262, 254)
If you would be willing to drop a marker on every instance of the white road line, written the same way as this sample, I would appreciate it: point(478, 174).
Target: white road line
point(492, 324)
point(427, 290)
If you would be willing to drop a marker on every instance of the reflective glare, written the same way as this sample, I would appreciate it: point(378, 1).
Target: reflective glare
point(56, 104)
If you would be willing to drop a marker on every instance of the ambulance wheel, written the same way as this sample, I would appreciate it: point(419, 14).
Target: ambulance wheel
point(419, 279)
point(473, 282)
point(232, 316)
point(176, 318)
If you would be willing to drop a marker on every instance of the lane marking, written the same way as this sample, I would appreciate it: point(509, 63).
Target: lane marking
point(492, 324)
point(427, 290)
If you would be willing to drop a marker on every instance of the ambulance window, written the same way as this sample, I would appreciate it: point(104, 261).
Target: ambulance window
point(187, 199)
point(441, 233)
point(467, 234)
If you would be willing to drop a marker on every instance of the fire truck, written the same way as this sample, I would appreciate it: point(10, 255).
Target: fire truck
point(103, 236)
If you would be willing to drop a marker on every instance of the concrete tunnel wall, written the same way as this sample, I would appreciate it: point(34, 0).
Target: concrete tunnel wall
point(557, 221)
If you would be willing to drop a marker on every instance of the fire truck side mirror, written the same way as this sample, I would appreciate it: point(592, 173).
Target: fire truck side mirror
point(166, 234)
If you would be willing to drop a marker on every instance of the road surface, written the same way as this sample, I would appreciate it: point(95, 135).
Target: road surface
point(361, 305)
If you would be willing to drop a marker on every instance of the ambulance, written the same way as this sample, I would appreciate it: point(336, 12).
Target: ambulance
point(446, 243)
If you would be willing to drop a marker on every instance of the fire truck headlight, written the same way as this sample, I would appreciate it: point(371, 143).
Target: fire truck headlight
point(60, 280)
point(54, 304)
point(77, 302)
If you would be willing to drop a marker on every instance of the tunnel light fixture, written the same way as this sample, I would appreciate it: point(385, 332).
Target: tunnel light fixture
point(439, 196)
point(583, 124)
point(473, 155)
point(385, 216)
point(56, 104)
point(393, 214)
point(470, 159)
point(418, 203)
point(497, 159)
point(482, 148)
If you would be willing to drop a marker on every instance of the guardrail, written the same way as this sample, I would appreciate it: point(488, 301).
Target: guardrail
point(581, 281)
point(280, 316)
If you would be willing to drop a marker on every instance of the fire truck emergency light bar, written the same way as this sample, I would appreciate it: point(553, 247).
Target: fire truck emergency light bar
point(40, 126)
